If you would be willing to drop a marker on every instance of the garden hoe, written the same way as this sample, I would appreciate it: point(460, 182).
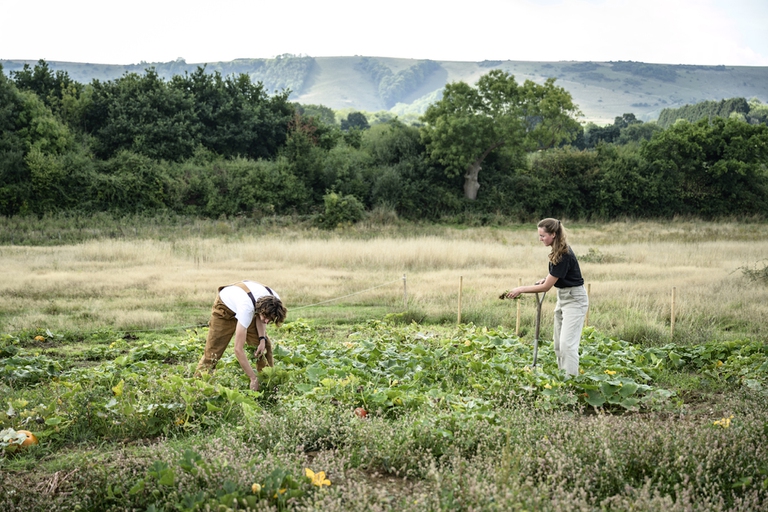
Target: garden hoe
point(538, 328)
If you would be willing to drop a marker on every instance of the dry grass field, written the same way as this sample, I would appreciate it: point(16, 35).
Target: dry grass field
point(631, 269)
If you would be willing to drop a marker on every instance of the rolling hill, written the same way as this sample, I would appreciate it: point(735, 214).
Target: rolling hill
point(603, 90)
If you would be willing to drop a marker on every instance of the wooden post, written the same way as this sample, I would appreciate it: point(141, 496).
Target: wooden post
point(405, 294)
point(517, 323)
point(589, 290)
point(672, 315)
point(461, 285)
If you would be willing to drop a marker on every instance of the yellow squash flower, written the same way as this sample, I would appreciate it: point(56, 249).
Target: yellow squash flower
point(318, 479)
point(610, 372)
point(725, 422)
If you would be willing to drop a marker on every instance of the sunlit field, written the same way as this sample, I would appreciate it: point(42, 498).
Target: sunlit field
point(401, 381)
point(631, 270)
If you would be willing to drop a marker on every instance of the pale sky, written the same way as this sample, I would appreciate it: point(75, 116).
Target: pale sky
point(710, 32)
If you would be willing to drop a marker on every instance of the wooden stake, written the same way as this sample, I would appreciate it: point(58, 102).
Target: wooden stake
point(586, 319)
point(517, 323)
point(672, 315)
point(461, 285)
point(405, 294)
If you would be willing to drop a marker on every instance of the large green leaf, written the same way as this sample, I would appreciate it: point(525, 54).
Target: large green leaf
point(595, 398)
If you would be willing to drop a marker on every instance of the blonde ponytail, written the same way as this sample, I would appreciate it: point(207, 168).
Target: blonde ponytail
point(560, 243)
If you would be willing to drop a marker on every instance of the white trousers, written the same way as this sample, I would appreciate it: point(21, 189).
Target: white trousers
point(570, 311)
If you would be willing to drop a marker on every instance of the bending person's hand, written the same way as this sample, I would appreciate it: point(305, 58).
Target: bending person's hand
point(261, 350)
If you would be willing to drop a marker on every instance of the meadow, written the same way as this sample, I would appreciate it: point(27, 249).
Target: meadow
point(102, 324)
point(154, 277)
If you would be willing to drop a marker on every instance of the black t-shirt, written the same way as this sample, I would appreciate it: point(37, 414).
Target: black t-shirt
point(567, 271)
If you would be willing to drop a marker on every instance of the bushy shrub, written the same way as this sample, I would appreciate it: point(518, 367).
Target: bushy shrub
point(238, 187)
point(567, 180)
point(340, 210)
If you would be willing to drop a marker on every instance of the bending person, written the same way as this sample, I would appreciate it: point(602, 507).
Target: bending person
point(243, 309)
point(572, 300)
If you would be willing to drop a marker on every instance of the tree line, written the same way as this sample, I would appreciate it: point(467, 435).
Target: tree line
point(750, 111)
point(210, 145)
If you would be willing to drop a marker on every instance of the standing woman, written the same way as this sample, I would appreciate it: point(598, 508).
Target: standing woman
point(572, 300)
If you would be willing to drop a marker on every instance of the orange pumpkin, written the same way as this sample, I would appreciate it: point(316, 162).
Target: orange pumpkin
point(31, 438)
point(360, 412)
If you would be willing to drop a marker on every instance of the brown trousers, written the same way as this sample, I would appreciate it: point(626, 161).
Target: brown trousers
point(221, 328)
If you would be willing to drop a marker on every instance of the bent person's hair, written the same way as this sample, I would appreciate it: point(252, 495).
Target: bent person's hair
point(560, 244)
point(272, 308)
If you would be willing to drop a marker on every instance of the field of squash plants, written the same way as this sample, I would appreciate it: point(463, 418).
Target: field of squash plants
point(381, 416)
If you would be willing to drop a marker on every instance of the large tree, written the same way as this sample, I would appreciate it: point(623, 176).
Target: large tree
point(32, 142)
point(55, 89)
point(469, 123)
point(231, 116)
point(235, 116)
point(710, 168)
point(141, 114)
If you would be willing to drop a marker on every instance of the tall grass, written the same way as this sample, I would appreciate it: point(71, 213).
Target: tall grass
point(159, 273)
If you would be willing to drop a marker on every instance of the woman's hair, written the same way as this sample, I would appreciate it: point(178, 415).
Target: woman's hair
point(560, 243)
point(272, 308)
